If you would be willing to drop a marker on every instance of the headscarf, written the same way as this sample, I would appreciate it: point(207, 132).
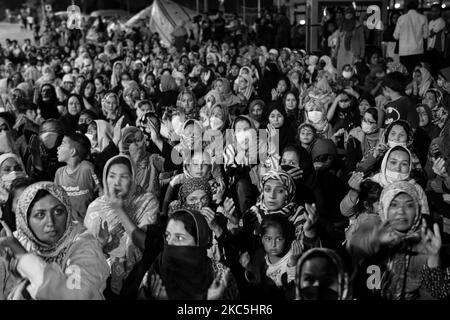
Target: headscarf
point(227, 97)
point(322, 126)
point(394, 284)
point(57, 251)
point(329, 66)
point(439, 112)
point(343, 280)
point(189, 186)
point(248, 90)
point(6, 156)
point(115, 77)
point(425, 84)
point(264, 109)
point(104, 134)
point(49, 109)
point(286, 132)
point(194, 113)
point(381, 177)
point(186, 271)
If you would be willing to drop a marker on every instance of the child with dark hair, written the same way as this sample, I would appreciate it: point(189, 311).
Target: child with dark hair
point(78, 177)
point(399, 107)
point(272, 268)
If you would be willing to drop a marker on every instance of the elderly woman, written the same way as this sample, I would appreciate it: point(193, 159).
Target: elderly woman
point(119, 218)
point(183, 270)
point(394, 239)
point(52, 258)
point(321, 275)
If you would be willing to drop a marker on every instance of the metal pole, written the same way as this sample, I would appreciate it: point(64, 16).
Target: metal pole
point(243, 10)
point(205, 5)
point(259, 8)
point(198, 6)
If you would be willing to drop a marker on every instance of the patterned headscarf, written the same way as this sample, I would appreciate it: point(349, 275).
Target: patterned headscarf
point(191, 185)
point(289, 187)
point(57, 251)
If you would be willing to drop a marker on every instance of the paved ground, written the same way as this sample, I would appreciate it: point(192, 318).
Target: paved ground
point(12, 31)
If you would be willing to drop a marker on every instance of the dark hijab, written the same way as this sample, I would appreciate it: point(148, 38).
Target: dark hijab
point(49, 109)
point(186, 271)
point(286, 132)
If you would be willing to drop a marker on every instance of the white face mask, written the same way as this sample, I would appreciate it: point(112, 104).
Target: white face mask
point(215, 123)
point(315, 116)
point(367, 128)
point(66, 69)
point(393, 144)
point(10, 177)
point(242, 137)
point(393, 176)
point(347, 74)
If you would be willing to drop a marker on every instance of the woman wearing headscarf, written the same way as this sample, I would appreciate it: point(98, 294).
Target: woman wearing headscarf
point(397, 165)
point(245, 87)
point(277, 195)
point(169, 93)
point(257, 111)
point(316, 115)
point(183, 271)
point(362, 139)
point(227, 98)
point(422, 81)
point(351, 42)
point(426, 124)
point(131, 94)
point(118, 68)
point(327, 65)
point(292, 108)
point(87, 92)
point(74, 106)
point(118, 219)
point(187, 104)
point(279, 127)
point(322, 275)
point(100, 134)
point(44, 261)
point(394, 239)
point(434, 99)
point(41, 158)
point(48, 77)
point(47, 102)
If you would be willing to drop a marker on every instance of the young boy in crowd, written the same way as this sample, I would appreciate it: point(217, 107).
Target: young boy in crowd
point(399, 107)
point(78, 177)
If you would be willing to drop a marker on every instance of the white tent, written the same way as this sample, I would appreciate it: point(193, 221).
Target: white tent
point(164, 16)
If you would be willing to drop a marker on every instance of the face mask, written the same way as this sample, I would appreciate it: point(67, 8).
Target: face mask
point(82, 128)
point(315, 116)
point(318, 293)
point(393, 144)
point(366, 127)
point(10, 177)
point(215, 123)
point(347, 74)
point(393, 176)
point(66, 69)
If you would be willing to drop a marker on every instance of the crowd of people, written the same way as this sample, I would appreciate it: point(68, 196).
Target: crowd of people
point(220, 168)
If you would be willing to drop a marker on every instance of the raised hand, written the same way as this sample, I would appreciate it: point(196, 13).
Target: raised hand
point(431, 239)
point(230, 210)
point(296, 251)
point(310, 225)
point(385, 235)
point(218, 286)
point(210, 217)
point(157, 289)
point(440, 168)
point(296, 173)
point(355, 180)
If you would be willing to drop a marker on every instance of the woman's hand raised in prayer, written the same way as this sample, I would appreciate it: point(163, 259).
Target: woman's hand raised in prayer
point(229, 210)
point(296, 251)
point(355, 181)
point(210, 217)
point(385, 235)
point(309, 228)
point(439, 168)
point(218, 286)
point(158, 291)
point(432, 242)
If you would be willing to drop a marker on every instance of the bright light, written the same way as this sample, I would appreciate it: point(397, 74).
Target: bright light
point(444, 6)
point(397, 5)
point(354, 5)
point(302, 22)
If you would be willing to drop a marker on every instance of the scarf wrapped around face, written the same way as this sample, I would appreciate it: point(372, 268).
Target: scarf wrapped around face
point(186, 271)
point(397, 282)
point(49, 253)
point(191, 185)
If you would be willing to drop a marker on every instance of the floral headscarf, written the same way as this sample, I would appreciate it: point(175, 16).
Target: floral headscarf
point(57, 251)
point(191, 185)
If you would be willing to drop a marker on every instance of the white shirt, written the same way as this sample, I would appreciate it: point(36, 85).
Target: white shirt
point(410, 30)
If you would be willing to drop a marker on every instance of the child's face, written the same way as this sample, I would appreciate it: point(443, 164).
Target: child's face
point(64, 150)
point(275, 196)
point(273, 242)
point(306, 136)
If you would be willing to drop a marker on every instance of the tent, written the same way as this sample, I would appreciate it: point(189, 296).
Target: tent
point(163, 15)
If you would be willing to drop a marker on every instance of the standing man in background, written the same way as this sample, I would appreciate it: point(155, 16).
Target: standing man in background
point(411, 30)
